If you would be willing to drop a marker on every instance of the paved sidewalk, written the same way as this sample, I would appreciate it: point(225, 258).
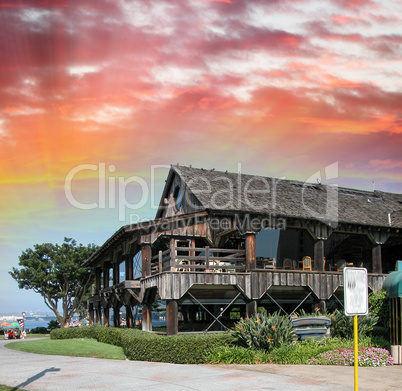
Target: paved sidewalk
point(42, 372)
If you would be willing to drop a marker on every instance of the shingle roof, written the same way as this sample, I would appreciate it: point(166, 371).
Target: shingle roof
point(231, 192)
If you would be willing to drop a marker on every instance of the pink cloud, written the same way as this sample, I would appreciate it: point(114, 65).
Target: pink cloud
point(385, 164)
point(354, 4)
point(35, 3)
point(217, 1)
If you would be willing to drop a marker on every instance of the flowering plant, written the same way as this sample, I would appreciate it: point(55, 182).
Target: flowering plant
point(368, 357)
point(266, 331)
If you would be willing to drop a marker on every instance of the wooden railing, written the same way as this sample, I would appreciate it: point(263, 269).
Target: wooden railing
point(208, 259)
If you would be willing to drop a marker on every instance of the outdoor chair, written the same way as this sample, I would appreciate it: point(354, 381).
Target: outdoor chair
point(307, 264)
point(213, 266)
point(287, 263)
point(340, 265)
point(183, 262)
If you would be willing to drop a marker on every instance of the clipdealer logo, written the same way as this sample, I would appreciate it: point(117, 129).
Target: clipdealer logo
point(221, 191)
point(112, 191)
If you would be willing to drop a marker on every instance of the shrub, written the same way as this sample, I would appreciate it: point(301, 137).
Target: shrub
point(53, 324)
point(375, 341)
point(134, 343)
point(264, 332)
point(74, 332)
point(380, 331)
point(39, 330)
point(342, 325)
point(367, 357)
point(109, 335)
point(237, 355)
point(301, 351)
point(379, 306)
point(177, 349)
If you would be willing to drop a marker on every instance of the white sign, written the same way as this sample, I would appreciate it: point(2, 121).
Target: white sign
point(355, 287)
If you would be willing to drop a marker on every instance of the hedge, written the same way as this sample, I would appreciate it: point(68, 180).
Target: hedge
point(176, 349)
point(74, 332)
point(144, 346)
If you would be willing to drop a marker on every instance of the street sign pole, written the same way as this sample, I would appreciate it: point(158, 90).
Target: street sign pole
point(356, 346)
point(355, 288)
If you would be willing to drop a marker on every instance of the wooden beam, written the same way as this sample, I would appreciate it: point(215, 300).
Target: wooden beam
point(172, 317)
point(106, 317)
point(376, 259)
point(116, 273)
point(116, 316)
point(129, 266)
point(146, 255)
point(251, 308)
point(147, 317)
point(250, 251)
point(319, 255)
point(129, 316)
point(98, 272)
point(91, 313)
point(132, 293)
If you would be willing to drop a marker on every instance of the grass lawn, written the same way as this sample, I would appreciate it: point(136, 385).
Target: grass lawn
point(37, 336)
point(7, 388)
point(70, 347)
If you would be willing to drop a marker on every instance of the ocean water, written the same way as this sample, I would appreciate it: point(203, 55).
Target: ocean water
point(32, 324)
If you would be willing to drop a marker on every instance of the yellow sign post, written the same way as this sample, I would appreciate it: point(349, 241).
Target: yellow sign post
point(356, 344)
point(355, 288)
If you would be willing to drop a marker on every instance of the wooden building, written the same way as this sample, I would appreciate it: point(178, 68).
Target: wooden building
point(223, 241)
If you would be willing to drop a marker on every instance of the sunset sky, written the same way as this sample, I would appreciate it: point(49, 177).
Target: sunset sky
point(97, 92)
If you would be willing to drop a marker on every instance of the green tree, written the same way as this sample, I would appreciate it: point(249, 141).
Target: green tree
point(379, 306)
point(56, 273)
point(53, 324)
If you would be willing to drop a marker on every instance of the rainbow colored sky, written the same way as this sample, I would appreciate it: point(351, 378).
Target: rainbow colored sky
point(284, 88)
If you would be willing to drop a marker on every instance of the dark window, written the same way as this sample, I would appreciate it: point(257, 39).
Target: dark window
point(177, 197)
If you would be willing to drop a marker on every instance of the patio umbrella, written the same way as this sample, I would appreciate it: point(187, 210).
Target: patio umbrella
point(6, 324)
point(15, 324)
point(83, 321)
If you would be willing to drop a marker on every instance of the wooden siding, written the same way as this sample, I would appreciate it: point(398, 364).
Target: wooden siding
point(174, 285)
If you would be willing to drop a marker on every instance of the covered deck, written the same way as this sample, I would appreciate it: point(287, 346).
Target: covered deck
point(224, 244)
point(201, 286)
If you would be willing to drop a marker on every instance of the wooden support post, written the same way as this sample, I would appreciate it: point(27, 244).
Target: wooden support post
point(377, 262)
point(146, 255)
point(192, 317)
point(106, 317)
point(129, 317)
point(147, 317)
point(172, 255)
point(251, 308)
point(160, 262)
point(129, 267)
point(116, 273)
point(98, 272)
point(192, 253)
point(250, 251)
point(98, 314)
point(91, 313)
point(207, 258)
point(172, 317)
point(217, 310)
point(116, 316)
point(105, 276)
point(319, 255)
